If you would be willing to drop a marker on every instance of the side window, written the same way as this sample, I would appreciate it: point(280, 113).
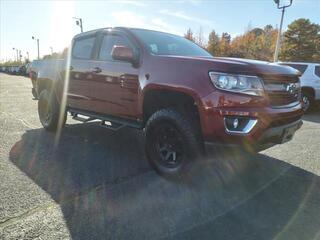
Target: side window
point(317, 70)
point(107, 44)
point(173, 48)
point(82, 48)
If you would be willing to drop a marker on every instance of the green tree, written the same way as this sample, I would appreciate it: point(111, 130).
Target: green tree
point(224, 44)
point(213, 43)
point(242, 46)
point(255, 44)
point(301, 41)
point(189, 35)
point(270, 39)
point(199, 39)
point(52, 56)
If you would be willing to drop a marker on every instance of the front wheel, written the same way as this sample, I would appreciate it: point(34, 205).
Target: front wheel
point(171, 141)
point(49, 111)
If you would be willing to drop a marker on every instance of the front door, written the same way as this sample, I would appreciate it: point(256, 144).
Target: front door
point(115, 84)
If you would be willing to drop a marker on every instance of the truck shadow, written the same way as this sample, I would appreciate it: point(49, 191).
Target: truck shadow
point(106, 190)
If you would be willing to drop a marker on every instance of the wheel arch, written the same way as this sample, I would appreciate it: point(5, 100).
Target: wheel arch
point(156, 98)
point(49, 84)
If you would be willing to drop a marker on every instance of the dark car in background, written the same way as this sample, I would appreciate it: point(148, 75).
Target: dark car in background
point(15, 69)
point(22, 70)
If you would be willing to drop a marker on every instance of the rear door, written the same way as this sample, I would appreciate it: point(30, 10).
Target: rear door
point(80, 80)
point(116, 83)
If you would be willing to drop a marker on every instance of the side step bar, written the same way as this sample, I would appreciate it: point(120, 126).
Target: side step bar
point(112, 126)
point(110, 122)
point(84, 119)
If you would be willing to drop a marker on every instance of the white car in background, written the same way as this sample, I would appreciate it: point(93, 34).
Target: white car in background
point(310, 82)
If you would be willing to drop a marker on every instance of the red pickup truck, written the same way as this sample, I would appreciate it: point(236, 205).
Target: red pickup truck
point(181, 96)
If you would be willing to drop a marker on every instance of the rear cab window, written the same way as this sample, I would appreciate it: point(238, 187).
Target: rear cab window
point(83, 47)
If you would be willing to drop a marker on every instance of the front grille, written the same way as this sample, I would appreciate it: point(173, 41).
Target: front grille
point(284, 121)
point(282, 98)
point(282, 91)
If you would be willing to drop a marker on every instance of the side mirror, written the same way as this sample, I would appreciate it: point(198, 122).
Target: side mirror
point(122, 53)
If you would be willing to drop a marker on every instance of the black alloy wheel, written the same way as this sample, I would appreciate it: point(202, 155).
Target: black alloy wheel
point(168, 145)
point(44, 109)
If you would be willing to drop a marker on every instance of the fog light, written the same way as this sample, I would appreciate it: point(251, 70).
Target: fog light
point(235, 123)
point(239, 125)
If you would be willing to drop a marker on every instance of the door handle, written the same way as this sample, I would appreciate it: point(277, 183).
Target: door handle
point(122, 80)
point(96, 70)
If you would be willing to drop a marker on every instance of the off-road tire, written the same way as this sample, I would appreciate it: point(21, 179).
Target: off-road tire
point(49, 111)
point(183, 136)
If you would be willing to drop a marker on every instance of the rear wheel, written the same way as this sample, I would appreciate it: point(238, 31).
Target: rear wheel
point(171, 141)
point(49, 111)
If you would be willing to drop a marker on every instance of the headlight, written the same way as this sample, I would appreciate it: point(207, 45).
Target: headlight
point(237, 83)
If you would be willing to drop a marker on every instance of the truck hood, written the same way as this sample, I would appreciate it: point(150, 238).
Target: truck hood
point(263, 67)
point(239, 66)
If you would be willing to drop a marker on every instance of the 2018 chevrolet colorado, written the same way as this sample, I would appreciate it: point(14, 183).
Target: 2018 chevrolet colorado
point(183, 97)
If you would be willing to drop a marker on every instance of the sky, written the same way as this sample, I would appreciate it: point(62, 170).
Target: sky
point(53, 24)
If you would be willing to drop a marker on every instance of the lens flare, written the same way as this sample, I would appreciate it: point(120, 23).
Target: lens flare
point(63, 98)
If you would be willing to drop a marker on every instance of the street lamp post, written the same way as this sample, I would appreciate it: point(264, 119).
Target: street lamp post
point(79, 23)
point(37, 46)
point(276, 53)
point(17, 52)
point(14, 54)
point(51, 48)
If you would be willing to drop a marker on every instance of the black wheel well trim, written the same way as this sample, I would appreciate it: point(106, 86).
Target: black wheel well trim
point(46, 83)
point(154, 94)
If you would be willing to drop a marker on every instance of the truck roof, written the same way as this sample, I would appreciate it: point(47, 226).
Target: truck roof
point(98, 30)
point(117, 28)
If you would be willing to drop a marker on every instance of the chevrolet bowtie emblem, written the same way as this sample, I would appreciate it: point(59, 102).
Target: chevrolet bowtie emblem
point(291, 88)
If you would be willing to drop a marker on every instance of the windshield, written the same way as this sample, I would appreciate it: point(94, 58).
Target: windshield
point(159, 43)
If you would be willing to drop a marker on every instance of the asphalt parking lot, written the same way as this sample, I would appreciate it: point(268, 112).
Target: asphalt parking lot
point(97, 184)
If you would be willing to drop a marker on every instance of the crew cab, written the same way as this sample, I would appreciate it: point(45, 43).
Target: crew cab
point(183, 98)
point(310, 82)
